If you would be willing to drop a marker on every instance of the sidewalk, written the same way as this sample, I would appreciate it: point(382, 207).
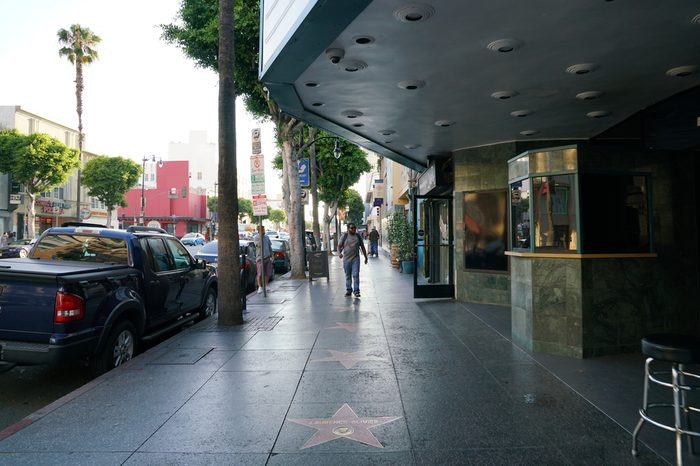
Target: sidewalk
point(314, 378)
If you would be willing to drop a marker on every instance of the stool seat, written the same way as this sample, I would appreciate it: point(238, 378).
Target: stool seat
point(670, 347)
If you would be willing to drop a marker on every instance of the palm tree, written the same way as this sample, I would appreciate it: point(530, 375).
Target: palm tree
point(78, 45)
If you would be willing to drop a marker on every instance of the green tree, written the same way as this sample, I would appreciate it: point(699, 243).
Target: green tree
point(196, 34)
point(37, 161)
point(277, 217)
point(245, 207)
point(212, 203)
point(108, 178)
point(356, 207)
point(78, 46)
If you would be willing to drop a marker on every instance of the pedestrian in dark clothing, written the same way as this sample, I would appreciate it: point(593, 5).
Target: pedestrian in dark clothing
point(349, 248)
point(373, 242)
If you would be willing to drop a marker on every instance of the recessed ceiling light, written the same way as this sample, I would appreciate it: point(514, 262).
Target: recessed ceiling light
point(358, 125)
point(363, 40)
point(317, 104)
point(588, 95)
point(388, 142)
point(353, 65)
point(411, 85)
point(386, 132)
point(521, 113)
point(311, 84)
point(444, 123)
point(682, 71)
point(505, 45)
point(582, 68)
point(598, 114)
point(414, 12)
point(352, 113)
point(529, 132)
point(412, 146)
point(696, 19)
point(503, 95)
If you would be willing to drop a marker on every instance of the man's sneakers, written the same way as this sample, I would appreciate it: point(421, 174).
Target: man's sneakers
point(357, 294)
point(347, 294)
point(259, 289)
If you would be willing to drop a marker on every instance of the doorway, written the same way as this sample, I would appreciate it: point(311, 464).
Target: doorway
point(434, 258)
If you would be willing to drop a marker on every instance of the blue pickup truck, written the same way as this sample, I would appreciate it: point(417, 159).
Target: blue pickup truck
point(95, 294)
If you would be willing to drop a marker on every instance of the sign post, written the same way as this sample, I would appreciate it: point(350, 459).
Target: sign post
point(257, 184)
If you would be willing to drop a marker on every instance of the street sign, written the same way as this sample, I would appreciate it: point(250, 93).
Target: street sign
point(257, 175)
point(255, 134)
point(303, 167)
point(305, 197)
point(260, 205)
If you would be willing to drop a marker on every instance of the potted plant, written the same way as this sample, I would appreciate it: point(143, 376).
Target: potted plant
point(400, 236)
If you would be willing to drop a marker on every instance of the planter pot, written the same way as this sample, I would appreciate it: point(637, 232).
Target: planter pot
point(407, 266)
point(394, 252)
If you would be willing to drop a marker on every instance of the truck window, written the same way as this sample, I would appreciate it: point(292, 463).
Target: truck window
point(160, 260)
point(83, 248)
point(180, 254)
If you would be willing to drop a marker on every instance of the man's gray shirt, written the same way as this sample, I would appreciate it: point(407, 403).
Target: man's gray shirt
point(351, 246)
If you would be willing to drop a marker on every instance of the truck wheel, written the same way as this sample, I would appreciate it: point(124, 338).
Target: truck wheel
point(120, 347)
point(209, 306)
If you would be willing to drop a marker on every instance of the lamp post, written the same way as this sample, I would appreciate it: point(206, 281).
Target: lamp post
point(145, 159)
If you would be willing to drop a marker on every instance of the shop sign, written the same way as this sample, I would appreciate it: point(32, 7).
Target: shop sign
point(15, 198)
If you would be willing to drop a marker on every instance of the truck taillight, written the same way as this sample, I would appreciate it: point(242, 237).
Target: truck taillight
point(68, 307)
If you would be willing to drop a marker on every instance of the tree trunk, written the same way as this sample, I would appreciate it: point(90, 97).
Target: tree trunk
point(31, 215)
point(331, 209)
point(313, 182)
point(79, 109)
point(296, 231)
point(109, 217)
point(229, 289)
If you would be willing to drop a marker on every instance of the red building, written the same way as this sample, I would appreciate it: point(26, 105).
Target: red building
point(169, 202)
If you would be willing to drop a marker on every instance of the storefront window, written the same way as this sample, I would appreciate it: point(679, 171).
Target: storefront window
point(485, 230)
point(554, 213)
point(520, 214)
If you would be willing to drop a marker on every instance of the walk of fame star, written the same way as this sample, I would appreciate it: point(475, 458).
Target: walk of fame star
point(344, 424)
point(348, 327)
point(348, 360)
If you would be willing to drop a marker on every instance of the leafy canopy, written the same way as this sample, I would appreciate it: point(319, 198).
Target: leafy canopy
point(37, 160)
point(78, 44)
point(108, 178)
point(245, 207)
point(356, 207)
point(197, 35)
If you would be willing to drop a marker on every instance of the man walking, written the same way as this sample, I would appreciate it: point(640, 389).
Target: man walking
point(373, 242)
point(349, 248)
point(263, 257)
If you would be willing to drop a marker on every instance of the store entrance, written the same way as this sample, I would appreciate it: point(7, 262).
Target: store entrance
point(434, 258)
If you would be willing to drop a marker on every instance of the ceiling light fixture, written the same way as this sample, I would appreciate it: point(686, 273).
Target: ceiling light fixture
point(411, 85)
point(444, 123)
point(352, 113)
point(588, 95)
point(505, 45)
point(582, 68)
point(414, 12)
point(311, 84)
point(682, 71)
point(364, 40)
point(503, 95)
point(386, 132)
point(598, 114)
point(358, 125)
point(696, 19)
point(353, 65)
point(336, 150)
point(317, 104)
point(412, 146)
point(521, 113)
point(529, 132)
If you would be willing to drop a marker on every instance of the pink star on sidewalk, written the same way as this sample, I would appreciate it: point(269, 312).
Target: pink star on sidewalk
point(344, 424)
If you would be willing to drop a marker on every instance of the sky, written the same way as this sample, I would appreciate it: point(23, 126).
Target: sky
point(141, 93)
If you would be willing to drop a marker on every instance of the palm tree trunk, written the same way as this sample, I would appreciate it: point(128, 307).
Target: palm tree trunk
point(313, 181)
point(229, 289)
point(79, 109)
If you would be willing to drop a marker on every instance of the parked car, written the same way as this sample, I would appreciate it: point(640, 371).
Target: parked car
point(283, 235)
point(272, 234)
point(310, 240)
point(210, 254)
point(18, 248)
point(280, 253)
point(94, 294)
point(193, 239)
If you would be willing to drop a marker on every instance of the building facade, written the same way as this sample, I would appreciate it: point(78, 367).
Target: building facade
point(554, 178)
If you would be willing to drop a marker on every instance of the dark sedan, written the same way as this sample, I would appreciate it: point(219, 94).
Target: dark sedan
point(210, 253)
point(19, 248)
point(280, 254)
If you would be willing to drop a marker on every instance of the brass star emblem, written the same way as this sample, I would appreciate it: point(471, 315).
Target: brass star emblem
point(344, 424)
point(348, 360)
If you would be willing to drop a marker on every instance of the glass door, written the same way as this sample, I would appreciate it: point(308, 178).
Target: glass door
point(434, 258)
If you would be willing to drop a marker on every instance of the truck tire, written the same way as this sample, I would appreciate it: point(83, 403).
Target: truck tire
point(209, 306)
point(120, 347)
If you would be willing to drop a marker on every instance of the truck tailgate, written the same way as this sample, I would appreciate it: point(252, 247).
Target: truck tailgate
point(27, 307)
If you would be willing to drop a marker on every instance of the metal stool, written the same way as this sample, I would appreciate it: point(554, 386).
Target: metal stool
point(677, 350)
